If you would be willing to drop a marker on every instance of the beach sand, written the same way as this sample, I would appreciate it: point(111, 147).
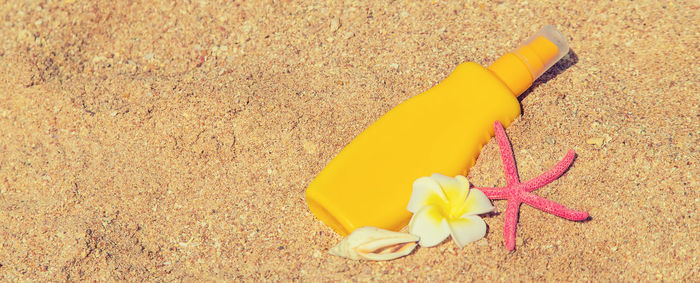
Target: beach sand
point(161, 142)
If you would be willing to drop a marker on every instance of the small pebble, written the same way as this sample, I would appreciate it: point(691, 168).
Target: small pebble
point(595, 141)
point(335, 24)
point(309, 147)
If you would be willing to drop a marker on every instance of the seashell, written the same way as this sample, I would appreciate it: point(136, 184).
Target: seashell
point(373, 243)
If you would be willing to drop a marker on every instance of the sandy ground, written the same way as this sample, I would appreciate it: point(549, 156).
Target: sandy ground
point(159, 141)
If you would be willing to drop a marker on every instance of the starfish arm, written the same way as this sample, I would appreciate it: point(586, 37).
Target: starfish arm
point(494, 193)
point(553, 207)
point(552, 174)
point(510, 223)
point(506, 154)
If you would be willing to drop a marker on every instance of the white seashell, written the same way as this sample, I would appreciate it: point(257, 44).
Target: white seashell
point(373, 243)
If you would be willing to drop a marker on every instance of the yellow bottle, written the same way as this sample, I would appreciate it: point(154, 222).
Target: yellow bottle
point(441, 131)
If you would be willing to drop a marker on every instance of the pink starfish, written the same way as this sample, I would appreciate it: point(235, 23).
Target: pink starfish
point(517, 192)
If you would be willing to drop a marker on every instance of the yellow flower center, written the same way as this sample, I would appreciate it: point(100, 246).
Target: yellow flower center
point(453, 208)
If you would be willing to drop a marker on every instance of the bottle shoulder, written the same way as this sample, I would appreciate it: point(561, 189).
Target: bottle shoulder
point(478, 80)
point(474, 70)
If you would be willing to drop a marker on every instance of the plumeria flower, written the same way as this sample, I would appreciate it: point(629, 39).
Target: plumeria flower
point(444, 206)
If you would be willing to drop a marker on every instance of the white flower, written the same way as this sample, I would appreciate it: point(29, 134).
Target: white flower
point(444, 206)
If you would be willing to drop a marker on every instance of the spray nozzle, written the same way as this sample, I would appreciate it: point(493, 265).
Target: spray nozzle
point(518, 69)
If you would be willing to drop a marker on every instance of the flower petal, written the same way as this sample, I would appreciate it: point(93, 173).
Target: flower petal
point(425, 192)
point(464, 182)
point(455, 189)
point(477, 203)
point(466, 230)
point(429, 224)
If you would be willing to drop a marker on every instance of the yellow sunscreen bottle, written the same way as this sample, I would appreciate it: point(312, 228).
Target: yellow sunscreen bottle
point(441, 131)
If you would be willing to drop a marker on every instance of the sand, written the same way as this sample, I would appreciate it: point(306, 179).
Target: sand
point(173, 142)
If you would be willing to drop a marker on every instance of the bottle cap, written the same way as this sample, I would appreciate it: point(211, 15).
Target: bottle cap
point(520, 68)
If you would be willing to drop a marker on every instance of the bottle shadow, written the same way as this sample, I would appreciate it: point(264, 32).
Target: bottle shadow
point(565, 63)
